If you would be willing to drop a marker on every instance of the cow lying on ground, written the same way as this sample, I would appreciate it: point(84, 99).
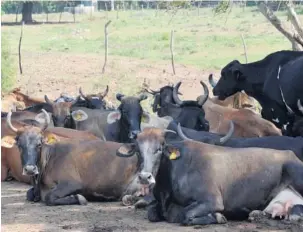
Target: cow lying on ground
point(200, 184)
point(69, 171)
point(119, 125)
point(189, 113)
point(10, 157)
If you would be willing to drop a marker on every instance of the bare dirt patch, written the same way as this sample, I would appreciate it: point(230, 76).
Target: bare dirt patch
point(19, 215)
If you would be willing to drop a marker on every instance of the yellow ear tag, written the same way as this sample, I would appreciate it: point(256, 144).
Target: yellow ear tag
point(78, 116)
point(173, 156)
point(51, 139)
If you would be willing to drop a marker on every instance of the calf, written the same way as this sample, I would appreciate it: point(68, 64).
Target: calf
point(200, 184)
point(69, 171)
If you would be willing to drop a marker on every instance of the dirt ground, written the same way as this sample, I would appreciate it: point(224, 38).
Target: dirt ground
point(53, 73)
point(19, 215)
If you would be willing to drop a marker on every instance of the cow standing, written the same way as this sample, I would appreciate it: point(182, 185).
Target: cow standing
point(265, 80)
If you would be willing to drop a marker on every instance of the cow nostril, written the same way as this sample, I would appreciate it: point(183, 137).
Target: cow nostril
point(149, 177)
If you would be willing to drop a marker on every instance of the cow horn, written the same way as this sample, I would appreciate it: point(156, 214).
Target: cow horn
point(47, 100)
point(202, 100)
point(47, 119)
point(300, 107)
point(9, 122)
point(151, 91)
point(169, 131)
point(82, 95)
point(142, 97)
point(224, 139)
point(103, 95)
point(211, 80)
point(181, 134)
point(175, 94)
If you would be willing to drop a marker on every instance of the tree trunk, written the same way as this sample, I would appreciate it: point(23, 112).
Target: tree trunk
point(27, 11)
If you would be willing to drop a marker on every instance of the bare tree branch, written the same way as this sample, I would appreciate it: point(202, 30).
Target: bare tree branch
point(105, 45)
point(244, 46)
point(19, 50)
point(294, 18)
point(276, 22)
point(172, 51)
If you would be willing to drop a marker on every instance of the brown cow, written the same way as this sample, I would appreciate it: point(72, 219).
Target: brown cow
point(68, 172)
point(18, 100)
point(10, 158)
point(247, 123)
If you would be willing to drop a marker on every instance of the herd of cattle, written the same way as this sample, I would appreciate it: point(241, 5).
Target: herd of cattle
point(196, 162)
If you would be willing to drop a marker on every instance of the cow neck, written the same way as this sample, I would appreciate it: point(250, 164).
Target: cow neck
point(44, 158)
point(123, 131)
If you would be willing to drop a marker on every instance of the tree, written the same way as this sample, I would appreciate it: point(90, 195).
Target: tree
point(27, 11)
point(295, 36)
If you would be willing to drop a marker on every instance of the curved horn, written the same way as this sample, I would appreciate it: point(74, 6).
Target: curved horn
point(47, 119)
point(224, 139)
point(175, 94)
point(9, 122)
point(211, 80)
point(103, 95)
point(47, 100)
point(169, 131)
point(181, 134)
point(82, 95)
point(202, 100)
point(300, 107)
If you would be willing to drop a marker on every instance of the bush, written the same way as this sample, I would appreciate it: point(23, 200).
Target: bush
point(8, 66)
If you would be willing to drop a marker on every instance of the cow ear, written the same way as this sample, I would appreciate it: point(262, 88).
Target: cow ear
point(51, 139)
point(145, 118)
point(79, 115)
point(113, 117)
point(171, 152)
point(126, 150)
point(8, 141)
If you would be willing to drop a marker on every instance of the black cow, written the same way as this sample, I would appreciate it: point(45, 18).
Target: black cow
point(262, 80)
point(189, 113)
point(294, 144)
point(199, 184)
point(120, 125)
point(95, 101)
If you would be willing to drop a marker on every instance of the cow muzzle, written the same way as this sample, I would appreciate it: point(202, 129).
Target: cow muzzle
point(30, 170)
point(133, 134)
point(146, 178)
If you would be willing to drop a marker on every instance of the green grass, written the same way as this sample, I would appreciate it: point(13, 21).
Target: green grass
point(8, 66)
point(200, 40)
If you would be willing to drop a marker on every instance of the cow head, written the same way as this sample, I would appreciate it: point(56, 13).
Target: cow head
point(150, 146)
point(163, 97)
point(130, 114)
point(95, 101)
point(61, 112)
point(231, 81)
point(29, 139)
point(201, 124)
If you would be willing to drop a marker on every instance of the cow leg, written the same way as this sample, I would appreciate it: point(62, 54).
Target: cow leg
point(65, 193)
point(203, 214)
point(154, 212)
point(292, 174)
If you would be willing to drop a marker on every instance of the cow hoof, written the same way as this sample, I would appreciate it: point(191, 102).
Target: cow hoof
point(255, 215)
point(220, 218)
point(82, 200)
point(141, 204)
point(30, 196)
point(127, 200)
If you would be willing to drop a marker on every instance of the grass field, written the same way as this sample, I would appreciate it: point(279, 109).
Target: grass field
point(61, 57)
point(204, 41)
